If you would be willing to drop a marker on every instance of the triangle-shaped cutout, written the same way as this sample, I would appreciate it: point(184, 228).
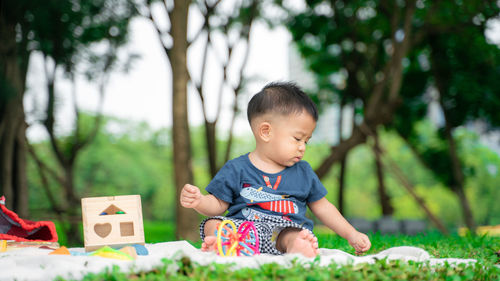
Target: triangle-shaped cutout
point(112, 210)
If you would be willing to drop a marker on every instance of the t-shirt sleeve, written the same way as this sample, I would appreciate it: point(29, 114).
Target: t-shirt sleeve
point(318, 190)
point(225, 183)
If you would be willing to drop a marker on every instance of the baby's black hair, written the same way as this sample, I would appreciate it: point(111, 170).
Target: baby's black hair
point(283, 98)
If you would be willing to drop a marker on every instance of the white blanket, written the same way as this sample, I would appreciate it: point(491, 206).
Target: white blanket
point(36, 264)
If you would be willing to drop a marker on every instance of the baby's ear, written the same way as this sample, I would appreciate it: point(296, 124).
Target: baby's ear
point(265, 131)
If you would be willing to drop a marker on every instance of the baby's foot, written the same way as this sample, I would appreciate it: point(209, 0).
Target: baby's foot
point(209, 244)
point(304, 243)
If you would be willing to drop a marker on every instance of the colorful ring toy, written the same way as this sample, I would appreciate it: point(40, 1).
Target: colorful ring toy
point(230, 242)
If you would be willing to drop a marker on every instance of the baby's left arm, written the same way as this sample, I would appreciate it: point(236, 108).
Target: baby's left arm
point(328, 214)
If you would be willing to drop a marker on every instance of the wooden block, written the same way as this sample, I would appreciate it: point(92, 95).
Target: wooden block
point(129, 250)
point(3, 245)
point(113, 221)
point(61, 251)
point(13, 245)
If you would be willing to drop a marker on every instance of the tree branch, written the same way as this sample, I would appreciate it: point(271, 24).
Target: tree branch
point(76, 133)
point(50, 111)
point(396, 171)
point(376, 111)
point(236, 90)
point(42, 170)
point(158, 29)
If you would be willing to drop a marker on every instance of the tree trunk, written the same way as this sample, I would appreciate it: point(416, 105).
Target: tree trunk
point(385, 200)
point(211, 141)
point(457, 185)
point(384, 98)
point(458, 177)
point(339, 151)
point(343, 160)
point(187, 219)
point(13, 183)
point(73, 214)
point(343, 166)
point(396, 171)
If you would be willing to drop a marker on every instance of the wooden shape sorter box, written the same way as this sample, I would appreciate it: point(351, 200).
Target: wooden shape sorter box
point(112, 221)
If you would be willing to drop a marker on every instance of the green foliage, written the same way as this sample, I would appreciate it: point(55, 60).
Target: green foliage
point(483, 176)
point(468, 69)
point(125, 158)
point(463, 66)
point(353, 48)
point(347, 44)
point(343, 44)
point(64, 30)
point(133, 164)
point(361, 184)
point(132, 158)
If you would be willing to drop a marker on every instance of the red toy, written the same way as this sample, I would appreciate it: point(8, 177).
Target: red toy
point(14, 228)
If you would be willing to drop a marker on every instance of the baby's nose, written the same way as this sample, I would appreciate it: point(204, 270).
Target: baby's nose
point(302, 147)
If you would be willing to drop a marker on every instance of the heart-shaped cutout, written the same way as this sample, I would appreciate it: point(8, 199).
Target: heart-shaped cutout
point(102, 229)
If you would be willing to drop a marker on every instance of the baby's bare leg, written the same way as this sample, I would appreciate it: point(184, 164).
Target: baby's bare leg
point(296, 240)
point(210, 241)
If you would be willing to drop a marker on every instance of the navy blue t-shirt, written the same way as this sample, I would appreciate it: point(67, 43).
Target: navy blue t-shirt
point(254, 194)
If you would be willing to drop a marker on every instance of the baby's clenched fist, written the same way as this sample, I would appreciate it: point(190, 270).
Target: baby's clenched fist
point(190, 196)
point(360, 242)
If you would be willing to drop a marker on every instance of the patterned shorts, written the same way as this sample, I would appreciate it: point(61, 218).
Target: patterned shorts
point(268, 230)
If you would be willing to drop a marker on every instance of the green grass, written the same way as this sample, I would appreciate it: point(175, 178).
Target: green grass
point(154, 232)
point(481, 248)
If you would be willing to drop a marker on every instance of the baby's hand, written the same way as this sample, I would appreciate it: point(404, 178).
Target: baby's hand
point(360, 242)
point(190, 196)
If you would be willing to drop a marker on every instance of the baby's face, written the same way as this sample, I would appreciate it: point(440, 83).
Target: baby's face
point(289, 138)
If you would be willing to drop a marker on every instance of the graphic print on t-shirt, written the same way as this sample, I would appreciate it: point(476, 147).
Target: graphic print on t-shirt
point(252, 214)
point(268, 182)
point(257, 195)
point(281, 206)
point(268, 201)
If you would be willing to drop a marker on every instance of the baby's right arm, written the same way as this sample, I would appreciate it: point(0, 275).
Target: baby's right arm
point(207, 205)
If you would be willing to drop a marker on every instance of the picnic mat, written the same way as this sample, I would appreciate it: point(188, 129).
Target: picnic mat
point(36, 264)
